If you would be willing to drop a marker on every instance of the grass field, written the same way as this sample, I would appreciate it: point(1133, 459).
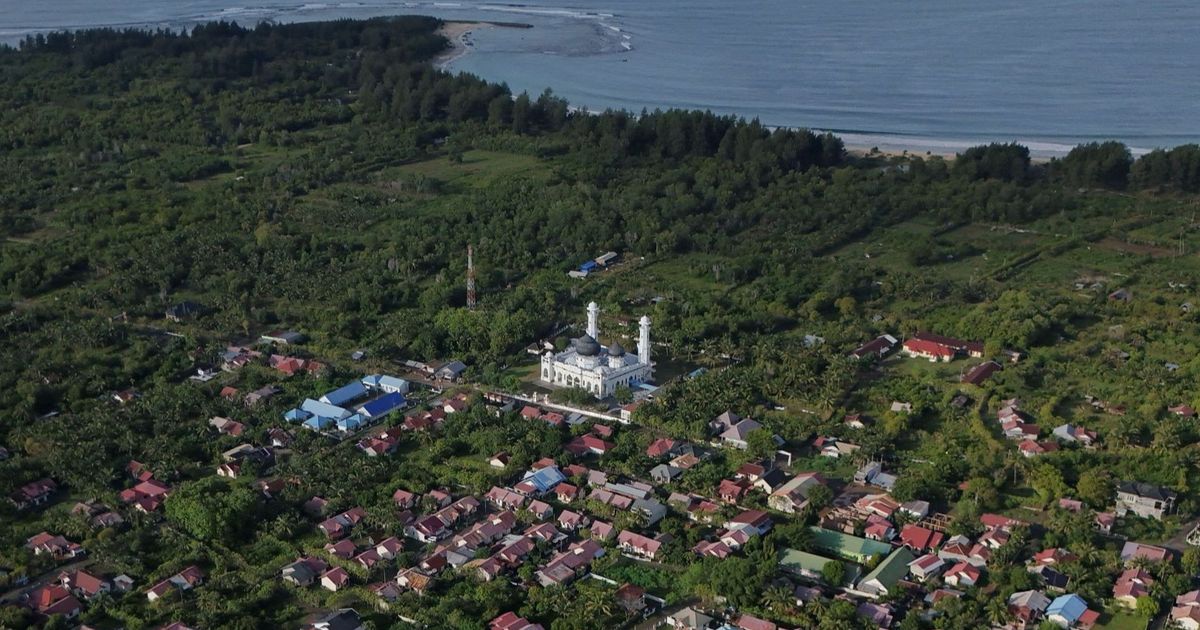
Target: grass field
point(478, 170)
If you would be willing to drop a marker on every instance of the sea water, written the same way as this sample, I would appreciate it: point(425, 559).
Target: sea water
point(928, 75)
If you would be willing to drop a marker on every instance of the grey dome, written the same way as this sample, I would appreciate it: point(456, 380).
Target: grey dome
point(586, 346)
point(615, 350)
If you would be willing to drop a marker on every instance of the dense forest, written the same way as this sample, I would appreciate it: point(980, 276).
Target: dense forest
point(327, 178)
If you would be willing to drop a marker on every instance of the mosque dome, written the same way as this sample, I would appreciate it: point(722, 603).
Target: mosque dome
point(586, 346)
point(615, 350)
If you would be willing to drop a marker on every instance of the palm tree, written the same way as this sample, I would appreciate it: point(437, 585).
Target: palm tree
point(779, 598)
point(997, 611)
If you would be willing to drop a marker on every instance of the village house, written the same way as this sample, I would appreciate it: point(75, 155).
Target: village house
point(84, 584)
point(33, 494)
point(833, 447)
point(876, 348)
point(662, 447)
point(54, 599)
point(385, 443)
point(504, 499)
point(926, 567)
point(1070, 611)
point(304, 571)
point(343, 549)
point(689, 619)
point(940, 348)
point(715, 549)
point(57, 547)
point(340, 525)
point(510, 621)
point(1071, 434)
point(738, 435)
point(1186, 611)
point(880, 615)
point(404, 499)
point(185, 580)
point(792, 496)
point(335, 579)
point(980, 373)
point(225, 426)
point(750, 622)
point(732, 491)
point(635, 544)
point(540, 510)
point(963, 575)
point(146, 496)
point(588, 445)
point(663, 474)
point(1130, 585)
point(1135, 551)
point(566, 566)
point(1144, 500)
point(1031, 448)
point(1027, 607)
point(601, 530)
point(260, 395)
point(98, 514)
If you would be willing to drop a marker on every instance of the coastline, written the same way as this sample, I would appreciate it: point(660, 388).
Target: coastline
point(458, 33)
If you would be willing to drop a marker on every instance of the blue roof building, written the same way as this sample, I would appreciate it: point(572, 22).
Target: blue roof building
point(296, 415)
point(318, 423)
point(324, 410)
point(386, 383)
point(588, 266)
point(383, 405)
point(546, 478)
point(345, 393)
point(1068, 608)
point(351, 423)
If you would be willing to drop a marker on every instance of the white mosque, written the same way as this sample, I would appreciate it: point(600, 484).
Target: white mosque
point(595, 368)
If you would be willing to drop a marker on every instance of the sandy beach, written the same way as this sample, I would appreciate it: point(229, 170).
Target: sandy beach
point(459, 34)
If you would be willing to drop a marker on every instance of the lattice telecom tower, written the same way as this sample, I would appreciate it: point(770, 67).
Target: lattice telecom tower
point(470, 277)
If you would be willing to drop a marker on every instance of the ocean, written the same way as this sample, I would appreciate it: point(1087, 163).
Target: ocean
point(936, 75)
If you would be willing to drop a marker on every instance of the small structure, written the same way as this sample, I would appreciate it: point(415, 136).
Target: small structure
point(184, 310)
point(282, 337)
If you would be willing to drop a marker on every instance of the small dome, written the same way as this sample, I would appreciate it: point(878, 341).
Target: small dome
point(615, 350)
point(586, 346)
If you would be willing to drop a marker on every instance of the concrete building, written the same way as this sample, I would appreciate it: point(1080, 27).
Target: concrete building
point(599, 369)
point(1144, 500)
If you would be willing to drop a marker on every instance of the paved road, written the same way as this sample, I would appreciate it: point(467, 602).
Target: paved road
point(14, 595)
point(1178, 542)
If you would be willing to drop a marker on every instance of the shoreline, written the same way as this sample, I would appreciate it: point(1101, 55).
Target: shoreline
point(458, 33)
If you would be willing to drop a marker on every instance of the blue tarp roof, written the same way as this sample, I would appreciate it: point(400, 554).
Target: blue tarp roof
point(383, 405)
point(345, 393)
point(588, 266)
point(1070, 607)
point(325, 410)
point(546, 478)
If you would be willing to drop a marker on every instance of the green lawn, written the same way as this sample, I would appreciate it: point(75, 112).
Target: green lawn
point(1120, 619)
